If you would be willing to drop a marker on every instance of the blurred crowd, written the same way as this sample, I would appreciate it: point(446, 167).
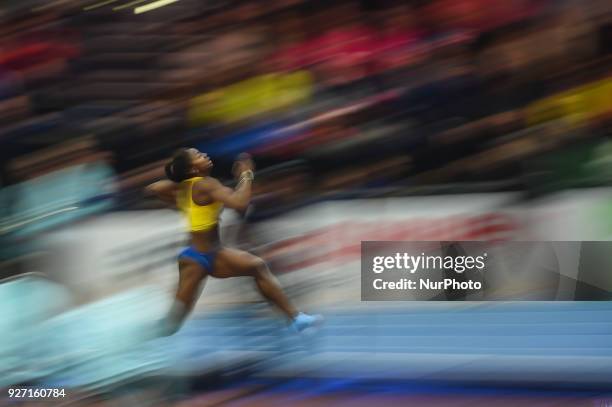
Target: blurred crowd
point(330, 97)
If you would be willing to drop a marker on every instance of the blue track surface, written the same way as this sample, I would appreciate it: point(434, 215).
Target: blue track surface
point(499, 344)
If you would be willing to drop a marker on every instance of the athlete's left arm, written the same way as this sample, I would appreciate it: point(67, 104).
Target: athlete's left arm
point(164, 190)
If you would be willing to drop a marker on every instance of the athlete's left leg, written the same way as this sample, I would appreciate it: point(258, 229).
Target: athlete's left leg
point(192, 277)
point(238, 263)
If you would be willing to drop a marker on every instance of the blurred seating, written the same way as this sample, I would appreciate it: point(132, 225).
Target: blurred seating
point(58, 186)
point(306, 80)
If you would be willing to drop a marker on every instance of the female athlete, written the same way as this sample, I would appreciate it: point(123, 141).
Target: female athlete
point(201, 199)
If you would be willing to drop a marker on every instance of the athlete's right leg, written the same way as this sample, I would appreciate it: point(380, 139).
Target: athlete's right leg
point(238, 263)
point(192, 278)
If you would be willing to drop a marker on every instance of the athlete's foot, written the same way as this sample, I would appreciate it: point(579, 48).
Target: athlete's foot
point(304, 321)
point(172, 322)
point(165, 327)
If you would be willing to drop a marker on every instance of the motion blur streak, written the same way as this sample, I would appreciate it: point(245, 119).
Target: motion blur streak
point(368, 120)
point(153, 6)
point(103, 3)
point(126, 5)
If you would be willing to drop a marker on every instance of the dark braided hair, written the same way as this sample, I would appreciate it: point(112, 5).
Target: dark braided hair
point(179, 168)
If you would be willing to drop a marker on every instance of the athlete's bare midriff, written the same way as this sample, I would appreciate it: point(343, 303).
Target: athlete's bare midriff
point(206, 241)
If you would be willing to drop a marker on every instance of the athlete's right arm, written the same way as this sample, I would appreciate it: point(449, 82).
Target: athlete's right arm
point(164, 190)
point(211, 188)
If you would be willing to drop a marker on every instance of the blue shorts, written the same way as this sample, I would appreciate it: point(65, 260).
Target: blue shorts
point(206, 260)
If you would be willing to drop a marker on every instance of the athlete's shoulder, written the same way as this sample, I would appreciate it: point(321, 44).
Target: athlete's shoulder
point(206, 184)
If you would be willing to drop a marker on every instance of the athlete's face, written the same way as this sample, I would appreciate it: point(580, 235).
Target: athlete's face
point(200, 161)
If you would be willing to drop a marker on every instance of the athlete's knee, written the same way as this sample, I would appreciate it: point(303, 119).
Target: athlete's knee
point(259, 267)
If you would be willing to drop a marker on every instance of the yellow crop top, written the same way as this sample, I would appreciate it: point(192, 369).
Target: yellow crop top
point(200, 218)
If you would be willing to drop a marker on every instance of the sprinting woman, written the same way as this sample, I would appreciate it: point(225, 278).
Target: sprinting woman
point(201, 199)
